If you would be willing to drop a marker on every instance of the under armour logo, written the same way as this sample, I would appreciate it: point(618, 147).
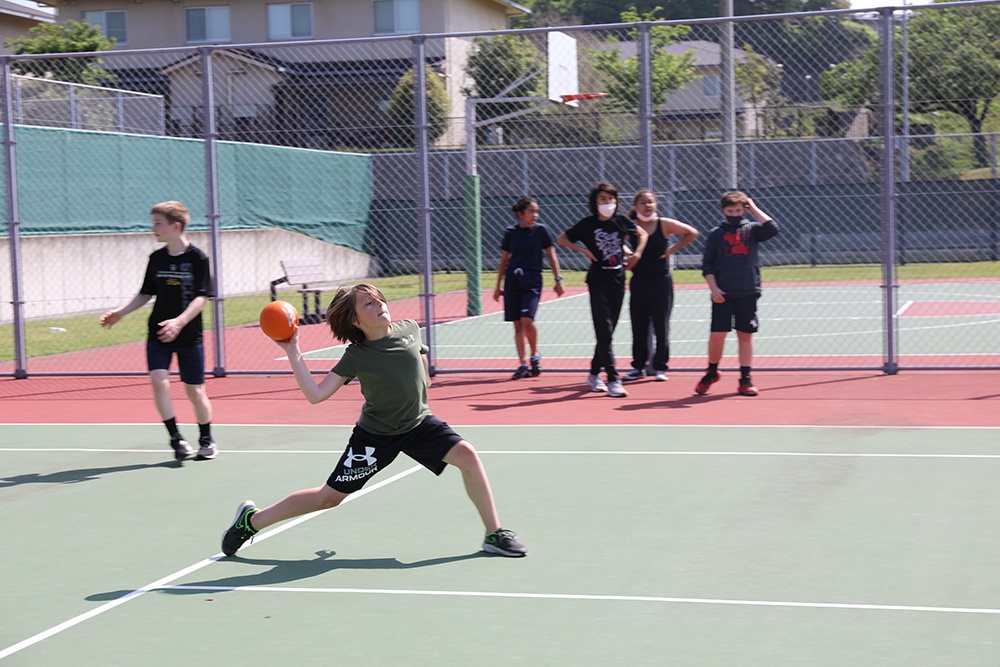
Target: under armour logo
point(366, 457)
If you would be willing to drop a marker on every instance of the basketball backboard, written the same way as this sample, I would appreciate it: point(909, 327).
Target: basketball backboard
point(563, 75)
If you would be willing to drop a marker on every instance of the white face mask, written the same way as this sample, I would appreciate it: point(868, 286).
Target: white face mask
point(607, 210)
point(645, 218)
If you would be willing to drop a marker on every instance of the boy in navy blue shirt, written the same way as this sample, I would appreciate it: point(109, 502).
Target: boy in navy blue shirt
point(731, 268)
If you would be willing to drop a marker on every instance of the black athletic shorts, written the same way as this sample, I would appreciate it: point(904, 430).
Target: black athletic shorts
point(738, 310)
point(522, 290)
point(190, 360)
point(368, 453)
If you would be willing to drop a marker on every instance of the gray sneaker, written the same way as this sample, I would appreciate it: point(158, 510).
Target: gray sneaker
point(206, 449)
point(505, 543)
point(616, 389)
point(634, 374)
point(596, 384)
point(181, 448)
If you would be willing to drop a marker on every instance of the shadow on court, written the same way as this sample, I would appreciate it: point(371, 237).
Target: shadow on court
point(287, 571)
point(80, 474)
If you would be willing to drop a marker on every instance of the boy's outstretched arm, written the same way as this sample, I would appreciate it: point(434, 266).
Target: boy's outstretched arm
point(111, 317)
point(315, 392)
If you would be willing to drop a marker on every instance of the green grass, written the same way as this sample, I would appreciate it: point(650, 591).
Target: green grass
point(81, 332)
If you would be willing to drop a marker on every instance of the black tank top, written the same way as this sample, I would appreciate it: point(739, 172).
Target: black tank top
point(651, 262)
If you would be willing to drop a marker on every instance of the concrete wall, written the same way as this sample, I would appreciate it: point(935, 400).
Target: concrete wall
point(81, 273)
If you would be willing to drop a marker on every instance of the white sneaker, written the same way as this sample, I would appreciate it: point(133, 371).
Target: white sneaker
point(616, 389)
point(596, 383)
point(661, 376)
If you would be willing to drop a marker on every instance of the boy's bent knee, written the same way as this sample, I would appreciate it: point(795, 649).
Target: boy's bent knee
point(463, 455)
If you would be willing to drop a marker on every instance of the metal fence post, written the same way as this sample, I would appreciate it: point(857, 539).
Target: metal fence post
point(423, 195)
point(888, 194)
point(212, 204)
point(645, 107)
point(13, 222)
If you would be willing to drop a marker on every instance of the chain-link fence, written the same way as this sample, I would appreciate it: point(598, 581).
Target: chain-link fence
point(49, 103)
point(870, 138)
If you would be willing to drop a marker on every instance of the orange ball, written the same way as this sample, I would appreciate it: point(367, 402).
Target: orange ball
point(279, 320)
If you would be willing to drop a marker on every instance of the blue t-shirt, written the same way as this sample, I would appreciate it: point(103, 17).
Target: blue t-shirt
point(526, 245)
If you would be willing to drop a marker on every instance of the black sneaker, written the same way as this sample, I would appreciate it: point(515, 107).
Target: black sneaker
point(181, 448)
point(504, 542)
point(241, 530)
point(206, 449)
point(521, 372)
point(536, 365)
point(634, 374)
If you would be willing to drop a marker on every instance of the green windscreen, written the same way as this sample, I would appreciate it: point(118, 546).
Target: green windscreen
point(72, 181)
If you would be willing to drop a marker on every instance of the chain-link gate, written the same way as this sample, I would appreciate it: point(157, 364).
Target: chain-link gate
point(396, 161)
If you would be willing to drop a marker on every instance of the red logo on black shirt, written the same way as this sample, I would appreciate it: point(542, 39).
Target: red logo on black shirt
point(735, 244)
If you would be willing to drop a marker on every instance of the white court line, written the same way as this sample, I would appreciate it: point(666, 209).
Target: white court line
point(162, 583)
point(598, 598)
point(553, 452)
point(741, 427)
point(904, 307)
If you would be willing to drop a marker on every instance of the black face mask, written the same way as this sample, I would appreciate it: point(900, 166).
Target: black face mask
point(734, 219)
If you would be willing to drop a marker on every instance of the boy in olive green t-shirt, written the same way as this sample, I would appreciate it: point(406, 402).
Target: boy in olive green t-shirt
point(389, 360)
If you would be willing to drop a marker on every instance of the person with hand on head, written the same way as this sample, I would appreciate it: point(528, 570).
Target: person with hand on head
point(179, 277)
point(731, 267)
point(651, 289)
point(519, 280)
point(602, 235)
point(390, 362)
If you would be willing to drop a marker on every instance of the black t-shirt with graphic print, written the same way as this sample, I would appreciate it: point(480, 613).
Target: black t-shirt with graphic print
point(175, 281)
point(604, 239)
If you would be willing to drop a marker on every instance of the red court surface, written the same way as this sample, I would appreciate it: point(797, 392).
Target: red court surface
point(911, 398)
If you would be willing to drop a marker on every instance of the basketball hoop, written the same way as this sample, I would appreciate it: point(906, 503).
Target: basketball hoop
point(566, 99)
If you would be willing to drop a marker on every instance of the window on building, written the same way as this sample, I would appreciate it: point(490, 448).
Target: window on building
point(711, 86)
point(112, 24)
point(397, 16)
point(207, 24)
point(290, 20)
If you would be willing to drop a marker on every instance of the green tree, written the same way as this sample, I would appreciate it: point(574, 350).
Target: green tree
point(758, 81)
point(667, 72)
point(498, 62)
point(590, 12)
point(954, 67)
point(401, 109)
point(70, 37)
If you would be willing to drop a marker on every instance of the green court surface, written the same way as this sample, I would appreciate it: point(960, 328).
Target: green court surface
point(648, 546)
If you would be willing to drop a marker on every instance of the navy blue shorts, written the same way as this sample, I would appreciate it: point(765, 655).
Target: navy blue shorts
point(522, 290)
point(190, 360)
point(367, 453)
point(739, 310)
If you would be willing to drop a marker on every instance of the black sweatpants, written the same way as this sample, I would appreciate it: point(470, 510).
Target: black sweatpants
point(605, 308)
point(651, 300)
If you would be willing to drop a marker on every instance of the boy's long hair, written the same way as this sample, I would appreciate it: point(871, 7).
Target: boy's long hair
point(598, 189)
point(173, 211)
point(342, 314)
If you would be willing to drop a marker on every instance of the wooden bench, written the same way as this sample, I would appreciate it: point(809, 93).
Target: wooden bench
point(309, 277)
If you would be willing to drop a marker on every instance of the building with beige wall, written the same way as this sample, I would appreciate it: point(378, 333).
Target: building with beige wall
point(281, 83)
point(17, 19)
